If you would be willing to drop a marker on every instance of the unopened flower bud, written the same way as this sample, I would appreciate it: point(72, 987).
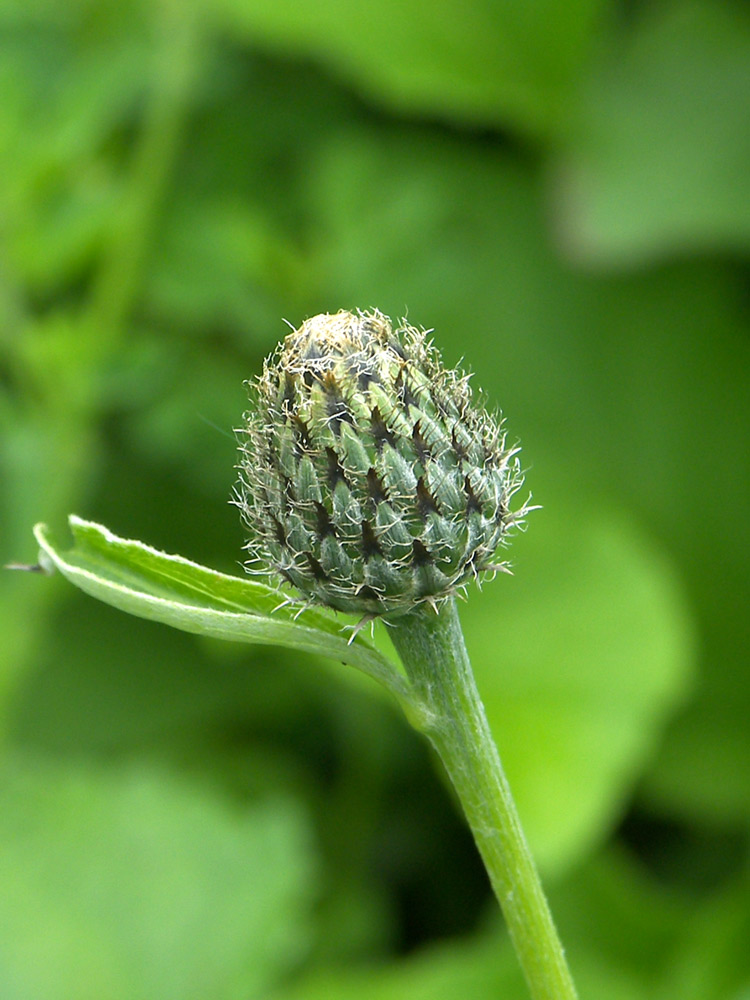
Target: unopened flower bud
point(369, 478)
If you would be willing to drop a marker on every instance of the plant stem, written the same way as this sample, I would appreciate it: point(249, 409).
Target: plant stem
point(434, 655)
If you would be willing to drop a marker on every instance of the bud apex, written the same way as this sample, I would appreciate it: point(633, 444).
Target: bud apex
point(368, 478)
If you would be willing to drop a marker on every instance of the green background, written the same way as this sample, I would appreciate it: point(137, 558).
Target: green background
point(562, 191)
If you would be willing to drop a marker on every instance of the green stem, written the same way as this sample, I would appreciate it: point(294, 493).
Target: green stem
point(434, 655)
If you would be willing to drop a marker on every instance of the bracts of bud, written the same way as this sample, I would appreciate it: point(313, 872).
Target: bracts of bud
point(370, 479)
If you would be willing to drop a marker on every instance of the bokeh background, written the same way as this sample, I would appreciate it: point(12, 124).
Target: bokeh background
point(562, 191)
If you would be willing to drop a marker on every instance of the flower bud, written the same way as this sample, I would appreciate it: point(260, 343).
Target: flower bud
point(369, 479)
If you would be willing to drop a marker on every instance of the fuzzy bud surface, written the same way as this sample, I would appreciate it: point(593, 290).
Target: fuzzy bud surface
point(369, 477)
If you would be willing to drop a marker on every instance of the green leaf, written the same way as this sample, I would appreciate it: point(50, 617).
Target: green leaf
point(141, 580)
point(221, 261)
point(658, 164)
point(68, 86)
point(627, 937)
point(667, 944)
point(581, 659)
point(128, 884)
point(477, 61)
point(482, 967)
point(105, 682)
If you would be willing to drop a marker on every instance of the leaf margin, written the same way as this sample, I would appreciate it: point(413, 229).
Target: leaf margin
point(277, 620)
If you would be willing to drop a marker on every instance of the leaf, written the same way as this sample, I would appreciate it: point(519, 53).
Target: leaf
point(222, 262)
point(658, 163)
point(482, 967)
point(627, 937)
point(580, 659)
point(105, 682)
point(475, 61)
point(68, 87)
point(129, 884)
point(141, 580)
point(620, 931)
point(632, 928)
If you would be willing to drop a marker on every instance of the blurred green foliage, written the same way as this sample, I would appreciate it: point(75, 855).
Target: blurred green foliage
point(562, 192)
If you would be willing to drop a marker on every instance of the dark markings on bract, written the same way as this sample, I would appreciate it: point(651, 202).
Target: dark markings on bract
point(444, 406)
point(363, 370)
point(472, 501)
point(288, 398)
point(278, 530)
point(335, 472)
point(458, 449)
point(317, 570)
point(270, 452)
point(312, 352)
point(368, 593)
point(288, 494)
point(376, 487)
point(381, 433)
point(397, 348)
point(420, 445)
point(426, 502)
point(301, 433)
point(365, 378)
point(370, 546)
point(420, 555)
point(325, 525)
point(403, 391)
point(337, 412)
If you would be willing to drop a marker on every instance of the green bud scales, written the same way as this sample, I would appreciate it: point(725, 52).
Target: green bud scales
point(369, 478)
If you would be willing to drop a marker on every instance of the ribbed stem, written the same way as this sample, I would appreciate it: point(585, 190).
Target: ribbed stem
point(434, 655)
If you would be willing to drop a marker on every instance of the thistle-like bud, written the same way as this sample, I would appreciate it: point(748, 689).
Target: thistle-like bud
point(369, 479)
